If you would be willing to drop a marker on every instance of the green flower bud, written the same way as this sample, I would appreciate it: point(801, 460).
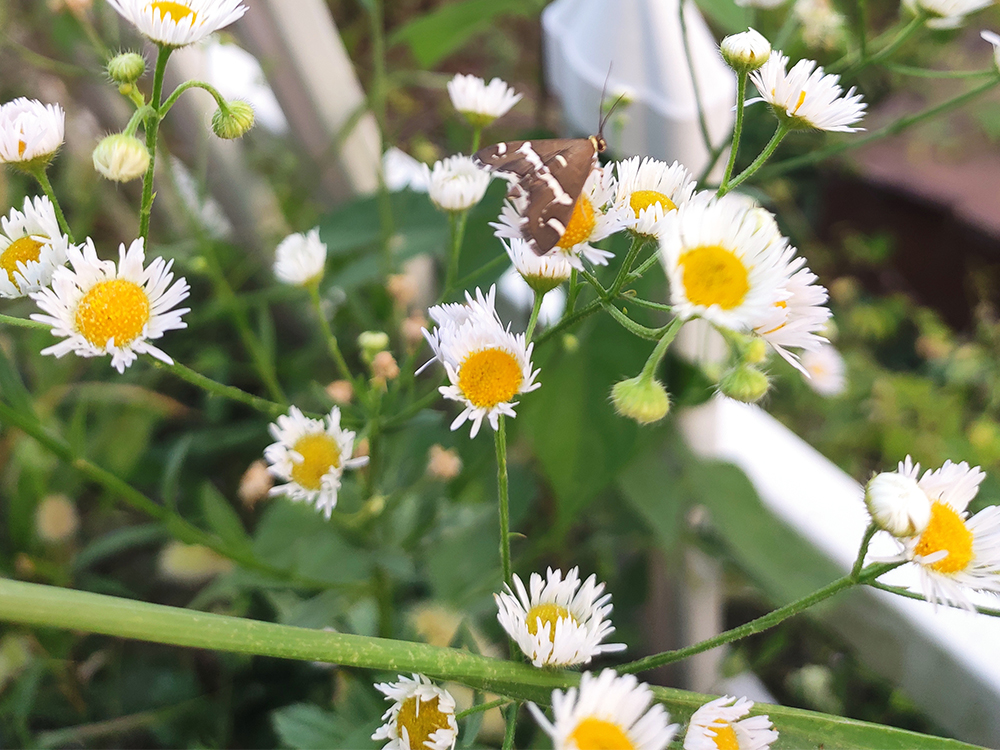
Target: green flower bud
point(371, 343)
point(756, 351)
point(128, 67)
point(744, 383)
point(233, 121)
point(121, 157)
point(642, 398)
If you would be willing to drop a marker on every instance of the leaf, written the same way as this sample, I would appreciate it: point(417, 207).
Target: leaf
point(222, 518)
point(435, 35)
point(12, 389)
point(726, 14)
point(303, 725)
point(116, 542)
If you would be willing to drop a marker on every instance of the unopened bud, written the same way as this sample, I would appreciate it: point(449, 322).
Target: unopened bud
point(443, 463)
point(191, 563)
point(384, 366)
point(121, 157)
point(371, 343)
point(340, 391)
point(642, 398)
point(897, 504)
point(756, 351)
point(126, 68)
point(255, 483)
point(362, 448)
point(56, 519)
point(744, 383)
point(234, 120)
point(745, 52)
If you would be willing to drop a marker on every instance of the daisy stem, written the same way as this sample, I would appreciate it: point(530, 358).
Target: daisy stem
point(661, 347)
point(567, 320)
point(43, 180)
point(11, 320)
point(702, 121)
point(176, 94)
point(508, 735)
point(152, 129)
point(574, 291)
point(500, 439)
point(456, 225)
point(498, 703)
point(633, 252)
point(862, 28)
point(477, 135)
point(331, 340)
point(769, 149)
point(214, 388)
point(860, 561)
point(741, 95)
point(535, 309)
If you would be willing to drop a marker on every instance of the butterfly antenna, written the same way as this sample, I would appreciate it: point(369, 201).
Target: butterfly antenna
point(600, 104)
point(610, 112)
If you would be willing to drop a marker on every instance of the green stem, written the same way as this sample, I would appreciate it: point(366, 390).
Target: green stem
point(633, 252)
point(702, 121)
point(172, 99)
point(214, 388)
point(776, 139)
point(456, 225)
point(152, 128)
point(741, 95)
point(862, 28)
point(533, 320)
point(378, 99)
point(661, 347)
point(863, 550)
point(909, 30)
point(477, 134)
point(141, 113)
point(653, 334)
point(508, 735)
point(567, 320)
point(908, 70)
point(643, 267)
point(892, 129)
point(43, 180)
point(648, 303)
point(331, 340)
point(498, 703)
point(574, 291)
point(500, 439)
point(23, 323)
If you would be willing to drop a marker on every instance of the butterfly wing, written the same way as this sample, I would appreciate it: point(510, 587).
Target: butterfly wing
point(550, 174)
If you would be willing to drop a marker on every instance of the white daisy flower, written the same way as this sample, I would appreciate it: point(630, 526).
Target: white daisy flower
point(103, 309)
point(955, 552)
point(311, 456)
point(607, 711)
point(826, 370)
point(805, 97)
point(421, 717)
point(945, 14)
point(456, 184)
point(823, 26)
point(745, 51)
point(481, 103)
point(993, 39)
point(32, 247)
point(177, 23)
point(724, 264)
point(300, 259)
point(896, 502)
point(797, 320)
point(488, 366)
point(30, 131)
point(649, 189)
point(719, 724)
point(559, 623)
point(543, 273)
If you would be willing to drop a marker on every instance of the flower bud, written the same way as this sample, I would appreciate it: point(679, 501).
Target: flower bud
point(443, 463)
point(126, 68)
point(340, 391)
point(121, 157)
point(255, 483)
point(191, 563)
point(642, 398)
point(897, 504)
point(756, 351)
point(384, 366)
point(745, 52)
point(371, 343)
point(744, 383)
point(56, 519)
point(233, 121)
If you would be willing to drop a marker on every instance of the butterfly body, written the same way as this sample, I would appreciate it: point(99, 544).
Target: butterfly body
point(548, 176)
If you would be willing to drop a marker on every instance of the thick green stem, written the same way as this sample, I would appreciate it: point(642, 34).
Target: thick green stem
point(776, 139)
point(152, 129)
point(636, 329)
point(43, 180)
point(567, 320)
point(500, 439)
point(741, 95)
point(214, 388)
point(456, 225)
point(331, 340)
point(477, 134)
point(533, 320)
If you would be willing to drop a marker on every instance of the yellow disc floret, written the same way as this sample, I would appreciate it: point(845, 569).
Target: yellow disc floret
point(946, 531)
point(714, 275)
point(725, 735)
point(641, 199)
point(320, 453)
point(420, 719)
point(581, 224)
point(549, 614)
point(490, 377)
point(117, 309)
point(598, 734)
point(175, 10)
point(25, 250)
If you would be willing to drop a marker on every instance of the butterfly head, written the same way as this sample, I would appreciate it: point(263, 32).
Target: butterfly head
point(600, 145)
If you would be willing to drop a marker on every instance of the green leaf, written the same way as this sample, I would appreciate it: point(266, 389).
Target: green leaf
point(303, 725)
point(446, 29)
point(222, 518)
point(116, 542)
point(12, 390)
point(726, 14)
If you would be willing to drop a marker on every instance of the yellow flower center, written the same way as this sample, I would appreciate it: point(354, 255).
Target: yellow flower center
point(117, 309)
point(23, 250)
point(421, 719)
point(581, 224)
point(547, 613)
point(598, 734)
point(641, 199)
point(714, 276)
point(175, 10)
point(320, 453)
point(946, 531)
point(21, 148)
point(490, 377)
point(725, 735)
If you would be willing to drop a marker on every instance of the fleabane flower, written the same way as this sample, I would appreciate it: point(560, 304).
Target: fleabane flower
point(421, 717)
point(797, 320)
point(826, 370)
point(945, 14)
point(724, 264)
point(30, 132)
point(488, 366)
point(178, 23)
point(310, 456)
point(896, 502)
point(32, 247)
point(101, 308)
point(719, 725)
point(543, 273)
point(745, 51)
point(591, 221)
point(994, 39)
point(607, 711)
point(300, 258)
point(558, 622)
point(649, 189)
point(953, 551)
point(479, 102)
point(805, 97)
point(456, 183)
